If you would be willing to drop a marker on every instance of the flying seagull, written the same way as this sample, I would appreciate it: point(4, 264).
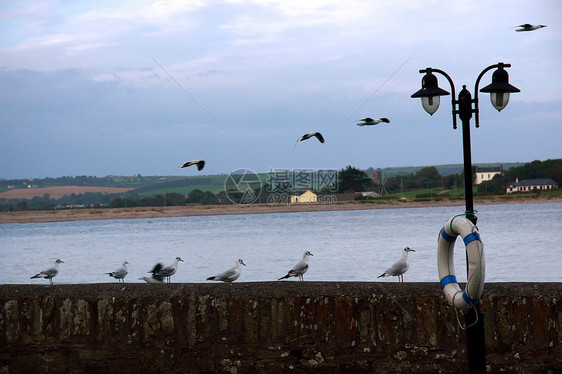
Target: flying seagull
point(169, 270)
point(120, 273)
point(369, 121)
point(231, 274)
point(155, 278)
point(310, 135)
point(49, 273)
point(200, 164)
point(400, 267)
point(529, 27)
point(300, 268)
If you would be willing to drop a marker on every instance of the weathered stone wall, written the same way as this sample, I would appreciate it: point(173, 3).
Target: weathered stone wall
point(273, 327)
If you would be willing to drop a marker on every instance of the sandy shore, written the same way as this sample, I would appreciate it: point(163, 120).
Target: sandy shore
point(202, 210)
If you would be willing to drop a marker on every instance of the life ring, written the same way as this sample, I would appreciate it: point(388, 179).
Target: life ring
point(460, 299)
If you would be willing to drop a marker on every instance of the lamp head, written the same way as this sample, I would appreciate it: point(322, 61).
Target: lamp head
point(500, 88)
point(430, 92)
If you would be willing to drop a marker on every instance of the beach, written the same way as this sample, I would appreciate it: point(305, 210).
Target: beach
point(231, 209)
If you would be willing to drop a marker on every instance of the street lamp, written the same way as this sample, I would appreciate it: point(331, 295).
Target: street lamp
point(499, 90)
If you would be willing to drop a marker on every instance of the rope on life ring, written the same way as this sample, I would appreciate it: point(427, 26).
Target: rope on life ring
point(461, 299)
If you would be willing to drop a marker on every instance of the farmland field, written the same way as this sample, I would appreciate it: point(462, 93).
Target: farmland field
point(58, 192)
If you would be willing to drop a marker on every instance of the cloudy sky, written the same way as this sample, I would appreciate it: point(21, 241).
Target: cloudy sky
point(138, 87)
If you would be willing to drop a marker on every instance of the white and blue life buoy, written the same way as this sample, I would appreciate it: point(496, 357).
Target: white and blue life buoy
point(461, 299)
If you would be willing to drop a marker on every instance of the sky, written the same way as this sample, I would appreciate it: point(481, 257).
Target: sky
point(138, 87)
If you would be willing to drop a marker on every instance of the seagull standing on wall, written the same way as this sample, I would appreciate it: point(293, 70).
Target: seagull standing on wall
point(200, 164)
point(400, 267)
point(169, 270)
point(155, 278)
point(120, 273)
point(231, 274)
point(370, 122)
point(310, 135)
point(529, 27)
point(300, 268)
point(50, 273)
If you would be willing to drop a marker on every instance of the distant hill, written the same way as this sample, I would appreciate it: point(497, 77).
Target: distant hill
point(444, 170)
point(152, 185)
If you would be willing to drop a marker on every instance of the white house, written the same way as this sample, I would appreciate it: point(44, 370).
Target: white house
point(306, 197)
point(527, 185)
point(484, 174)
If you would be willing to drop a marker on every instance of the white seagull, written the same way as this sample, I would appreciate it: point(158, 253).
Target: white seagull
point(231, 274)
point(155, 278)
point(369, 121)
point(169, 270)
point(200, 164)
point(300, 268)
point(400, 267)
point(49, 273)
point(310, 135)
point(529, 27)
point(120, 273)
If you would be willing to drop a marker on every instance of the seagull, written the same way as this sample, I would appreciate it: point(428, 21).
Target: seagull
point(231, 274)
point(120, 273)
point(300, 268)
point(49, 273)
point(168, 271)
point(369, 121)
point(400, 267)
point(310, 135)
point(200, 164)
point(529, 27)
point(155, 278)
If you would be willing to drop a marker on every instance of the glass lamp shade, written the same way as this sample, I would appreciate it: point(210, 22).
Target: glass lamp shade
point(499, 100)
point(430, 92)
point(499, 89)
point(430, 104)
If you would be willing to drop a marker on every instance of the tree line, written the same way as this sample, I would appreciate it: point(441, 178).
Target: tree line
point(350, 179)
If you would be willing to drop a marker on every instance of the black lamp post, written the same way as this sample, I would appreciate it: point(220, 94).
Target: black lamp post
point(499, 91)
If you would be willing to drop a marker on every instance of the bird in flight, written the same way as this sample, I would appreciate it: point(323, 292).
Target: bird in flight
point(529, 27)
point(369, 121)
point(400, 267)
point(200, 164)
point(310, 135)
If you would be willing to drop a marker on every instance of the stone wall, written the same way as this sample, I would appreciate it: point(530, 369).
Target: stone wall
point(271, 327)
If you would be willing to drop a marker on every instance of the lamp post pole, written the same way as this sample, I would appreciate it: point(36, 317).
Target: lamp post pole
point(499, 94)
point(465, 114)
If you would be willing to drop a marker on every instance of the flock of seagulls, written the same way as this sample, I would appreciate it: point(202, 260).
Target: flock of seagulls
point(364, 122)
point(161, 273)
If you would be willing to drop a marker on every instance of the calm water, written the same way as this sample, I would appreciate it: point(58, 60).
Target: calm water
point(521, 243)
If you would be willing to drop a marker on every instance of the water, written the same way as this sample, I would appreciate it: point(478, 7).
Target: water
point(521, 244)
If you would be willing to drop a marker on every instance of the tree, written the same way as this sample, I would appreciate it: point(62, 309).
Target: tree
point(195, 196)
point(353, 179)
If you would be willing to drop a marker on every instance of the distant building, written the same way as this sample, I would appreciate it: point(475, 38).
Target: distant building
point(527, 185)
point(370, 194)
point(484, 174)
point(306, 197)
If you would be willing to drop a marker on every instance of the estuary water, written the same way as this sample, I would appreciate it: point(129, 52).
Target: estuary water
point(521, 244)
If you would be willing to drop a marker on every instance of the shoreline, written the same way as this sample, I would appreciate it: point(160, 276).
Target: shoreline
point(85, 214)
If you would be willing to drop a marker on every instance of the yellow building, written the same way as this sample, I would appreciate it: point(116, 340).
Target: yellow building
point(306, 197)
